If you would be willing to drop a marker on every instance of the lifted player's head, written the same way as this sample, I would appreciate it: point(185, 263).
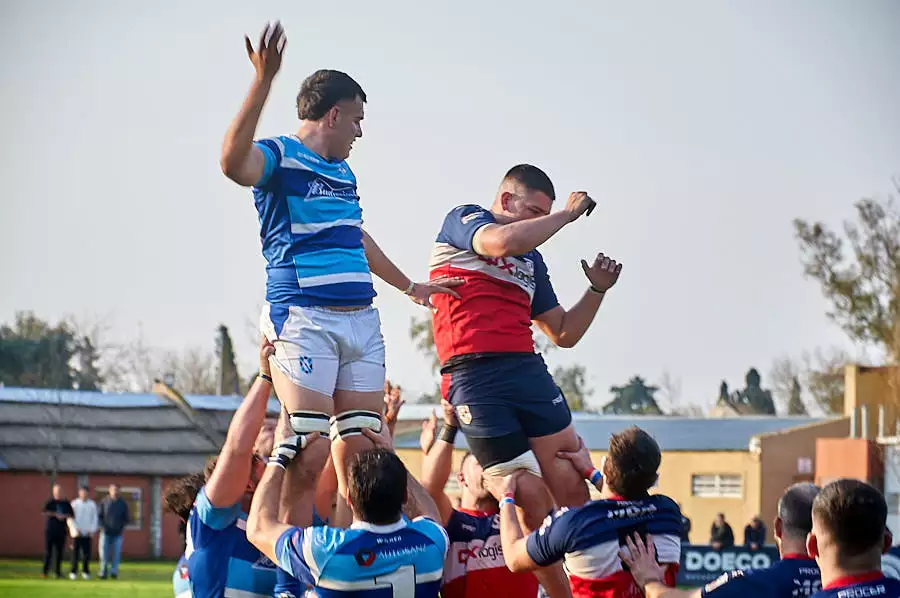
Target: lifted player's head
point(525, 192)
point(376, 486)
point(632, 463)
point(471, 478)
point(848, 527)
point(794, 519)
point(181, 494)
point(334, 102)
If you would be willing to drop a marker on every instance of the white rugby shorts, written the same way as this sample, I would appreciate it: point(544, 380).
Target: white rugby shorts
point(324, 349)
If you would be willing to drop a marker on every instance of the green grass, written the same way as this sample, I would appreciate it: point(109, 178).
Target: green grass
point(136, 580)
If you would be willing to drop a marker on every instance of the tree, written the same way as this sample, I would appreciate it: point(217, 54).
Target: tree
point(825, 378)
point(795, 404)
point(634, 398)
point(194, 371)
point(228, 378)
point(87, 357)
point(572, 382)
point(781, 379)
point(421, 332)
point(862, 284)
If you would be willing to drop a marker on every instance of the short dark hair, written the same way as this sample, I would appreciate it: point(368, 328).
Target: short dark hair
point(322, 90)
point(633, 461)
point(795, 509)
point(181, 494)
point(854, 514)
point(210, 467)
point(84, 487)
point(532, 178)
point(377, 486)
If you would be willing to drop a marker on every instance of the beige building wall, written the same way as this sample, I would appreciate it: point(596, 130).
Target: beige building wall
point(872, 386)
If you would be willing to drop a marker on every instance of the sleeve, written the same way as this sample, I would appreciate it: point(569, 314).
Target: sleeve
point(551, 542)
point(67, 507)
point(128, 512)
point(734, 584)
point(271, 150)
point(544, 296)
point(217, 518)
point(461, 224)
point(292, 549)
point(48, 506)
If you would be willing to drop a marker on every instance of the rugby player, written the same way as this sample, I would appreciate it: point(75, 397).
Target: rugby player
point(474, 567)
point(796, 574)
point(382, 553)
point(587, 538)
point(511, 411)
point(329, 354)
point(847, 540)
point(220, 558)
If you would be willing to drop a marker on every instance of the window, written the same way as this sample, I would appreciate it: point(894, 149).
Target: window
point(130, 495)
point(717, 485)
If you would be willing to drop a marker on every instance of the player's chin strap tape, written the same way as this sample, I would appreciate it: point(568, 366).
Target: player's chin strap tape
point(351, 423)
point(526, 461)
point(307, 422)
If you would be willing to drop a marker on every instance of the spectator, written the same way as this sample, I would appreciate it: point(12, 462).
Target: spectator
point(114, 516)
point(721, 535)
point(685, 527)
point(57, 510)
point(755, 534)
point(85, 523)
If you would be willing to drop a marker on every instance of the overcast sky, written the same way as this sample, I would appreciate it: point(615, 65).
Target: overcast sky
point(702, 127)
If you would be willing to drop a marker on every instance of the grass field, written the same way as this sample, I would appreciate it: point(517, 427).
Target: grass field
point(136, 580)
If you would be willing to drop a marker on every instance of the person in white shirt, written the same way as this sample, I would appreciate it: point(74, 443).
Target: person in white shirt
point(82, 526)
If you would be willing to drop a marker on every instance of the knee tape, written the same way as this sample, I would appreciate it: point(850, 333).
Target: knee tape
point(351, 423)
point(526, 461)
point(307, 422)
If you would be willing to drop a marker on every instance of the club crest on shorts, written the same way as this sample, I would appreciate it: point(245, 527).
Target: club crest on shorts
point(463, 413)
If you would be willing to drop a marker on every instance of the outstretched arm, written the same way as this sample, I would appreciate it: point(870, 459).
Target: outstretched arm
point(438, 462)
point(242, 161)
point(516, 238)
point(228, 481)
point(566, 327)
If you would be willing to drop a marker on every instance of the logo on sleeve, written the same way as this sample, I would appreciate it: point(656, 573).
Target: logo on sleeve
point(469, 217)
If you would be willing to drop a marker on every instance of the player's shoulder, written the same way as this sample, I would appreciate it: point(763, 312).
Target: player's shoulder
point(464, 525)
point(665, 503)
point(466, 213)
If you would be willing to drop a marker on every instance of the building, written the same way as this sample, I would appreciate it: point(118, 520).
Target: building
point(138, 441)
point(738, 466)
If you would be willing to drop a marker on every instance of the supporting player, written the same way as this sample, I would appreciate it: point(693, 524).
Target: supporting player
point(587, 537)
point(221, 561)
point(848, 538)
point(474, 565)
point(795, 575)
point(329, 350)
point(511, 411)
point(383, 553)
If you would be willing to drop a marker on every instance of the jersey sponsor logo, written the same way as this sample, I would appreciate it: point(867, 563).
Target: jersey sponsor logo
point(480, 551)
point(264, 562)
point(807, 587)
point(469, 217)
point(548, 520)
point(520, 269)
point(365, 558)
point(464, 414)
point(722, 580)
point(322, 188)
point(631, 511)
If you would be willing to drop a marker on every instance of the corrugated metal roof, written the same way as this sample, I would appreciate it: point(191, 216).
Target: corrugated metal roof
point(80, 397)
point(672, 433)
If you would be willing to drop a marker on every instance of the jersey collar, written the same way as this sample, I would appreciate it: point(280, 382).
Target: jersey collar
point(476, 512)
point(796, 556)
point(854, 579)
point(379, 529)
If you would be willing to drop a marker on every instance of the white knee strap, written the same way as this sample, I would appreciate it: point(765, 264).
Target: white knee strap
point(526, 461)
point(307, 422)
point(351, 423)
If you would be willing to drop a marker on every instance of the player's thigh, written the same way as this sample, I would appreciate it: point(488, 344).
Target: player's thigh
point(567, 485)
point(306, 359)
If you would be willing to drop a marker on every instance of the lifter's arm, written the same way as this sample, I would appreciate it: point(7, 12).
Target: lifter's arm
point(228, 481)
point(438, 462)
point(516, 238)
point(241, 160)
point(566, 327)
point(512, 539)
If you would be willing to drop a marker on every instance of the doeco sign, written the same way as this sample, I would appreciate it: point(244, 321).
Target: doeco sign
point(702, 564)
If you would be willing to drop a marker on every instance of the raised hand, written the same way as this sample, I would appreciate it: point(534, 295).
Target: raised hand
point(449, 413)
point(429, 429)
point(421, 292)
point(392, 405)
point(603, 273)
point(266, 58)
point(579, 203)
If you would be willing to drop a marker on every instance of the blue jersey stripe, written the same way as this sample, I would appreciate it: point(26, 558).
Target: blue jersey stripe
point(338, 260)
point(347, 237)
point(322, 210)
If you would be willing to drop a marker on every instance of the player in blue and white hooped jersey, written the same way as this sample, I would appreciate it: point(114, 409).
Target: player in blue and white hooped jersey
point(330, 359)
point(383, 554)
point(221, 561)
point(796, 575)
point(849, 535)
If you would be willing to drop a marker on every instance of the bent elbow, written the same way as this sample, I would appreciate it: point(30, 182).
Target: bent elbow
point(515, 567)
point(564, 343)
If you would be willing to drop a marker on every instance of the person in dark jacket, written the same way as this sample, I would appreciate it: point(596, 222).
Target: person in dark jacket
point(721, 535)
point(755, 534)
point(57, 510)
point(685, 527)
point(114, 516)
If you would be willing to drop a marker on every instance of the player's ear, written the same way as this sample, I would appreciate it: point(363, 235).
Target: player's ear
point(461, 479)
point(778, 527)
point(812, 545)
point(332, 116)
point(505, 200)
point(888, 540)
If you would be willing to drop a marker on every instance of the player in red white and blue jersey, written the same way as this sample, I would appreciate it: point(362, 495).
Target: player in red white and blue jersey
point(588, 538)
point(474, 567)
point(848, 537)
point(511, 411)
point(795, 575)
point(329, 351)
point(383, 554)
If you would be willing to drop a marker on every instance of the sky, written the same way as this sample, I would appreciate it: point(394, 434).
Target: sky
point(702, 128)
